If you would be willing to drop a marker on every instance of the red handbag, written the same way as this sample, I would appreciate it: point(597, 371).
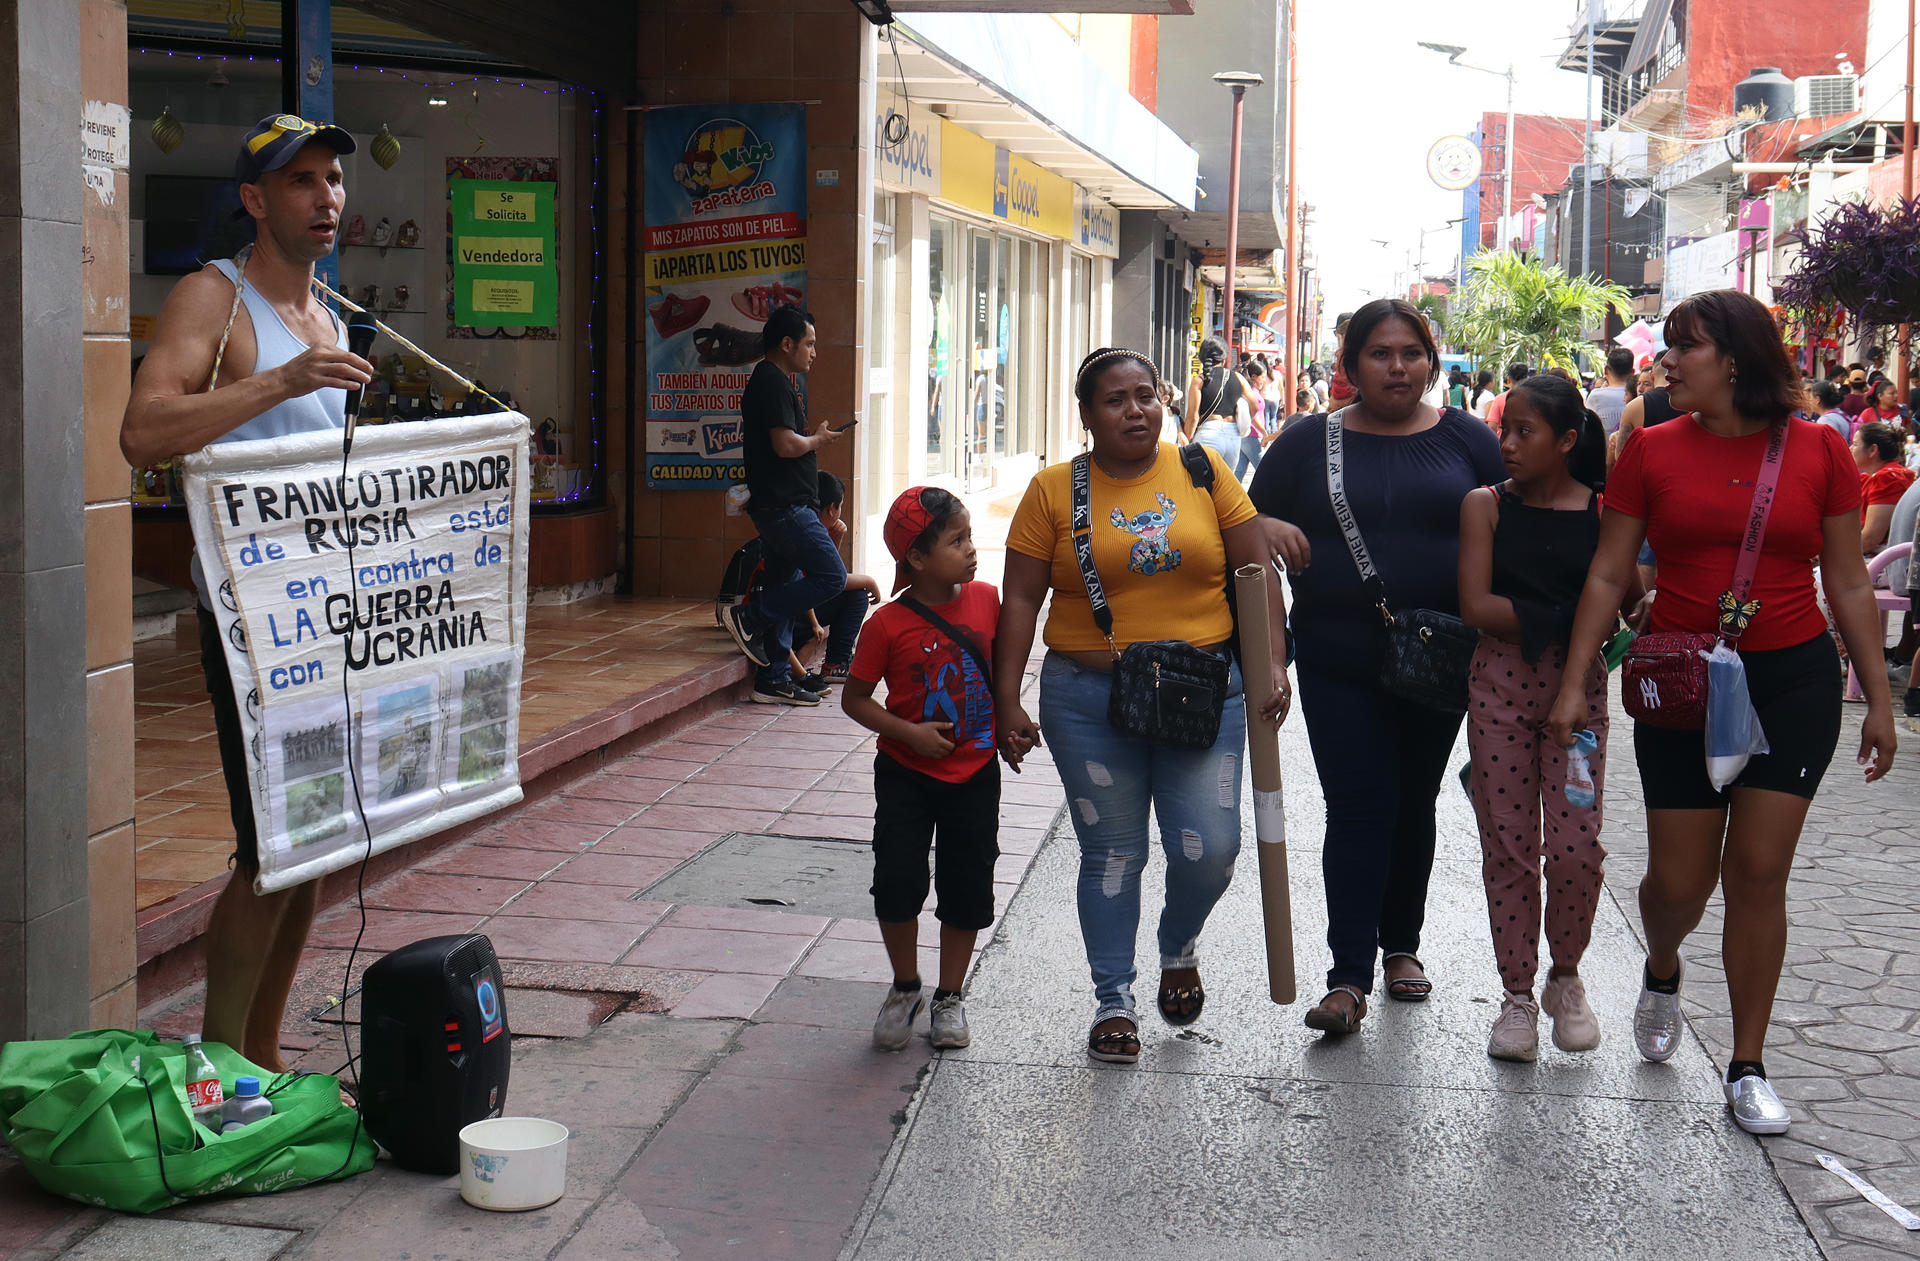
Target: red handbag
point(1663, 680)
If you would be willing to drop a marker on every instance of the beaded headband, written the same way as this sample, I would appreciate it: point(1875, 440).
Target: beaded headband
point(1117, 353)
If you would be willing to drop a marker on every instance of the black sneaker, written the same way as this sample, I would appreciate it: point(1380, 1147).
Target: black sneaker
point(818, 684)
point(738, 621)
point(1911, 702)
point(834, 672)
point(785, 692)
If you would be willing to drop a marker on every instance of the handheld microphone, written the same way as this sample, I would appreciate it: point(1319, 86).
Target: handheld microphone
point(360, 331)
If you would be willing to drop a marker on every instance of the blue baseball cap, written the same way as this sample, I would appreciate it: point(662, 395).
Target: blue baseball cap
point(274, 140)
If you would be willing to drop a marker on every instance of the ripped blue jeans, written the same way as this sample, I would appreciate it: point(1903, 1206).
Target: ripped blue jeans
point(1110, 781)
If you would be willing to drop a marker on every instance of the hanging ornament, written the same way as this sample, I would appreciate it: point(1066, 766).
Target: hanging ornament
point(385, 149)
point(167, 131)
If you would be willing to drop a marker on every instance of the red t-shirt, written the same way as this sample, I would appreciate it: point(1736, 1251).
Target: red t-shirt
point(1695, 492)
point(1884, 485)
point(930, 678)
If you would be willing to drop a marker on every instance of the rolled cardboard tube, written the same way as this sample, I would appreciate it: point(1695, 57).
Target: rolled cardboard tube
point(1263, 754)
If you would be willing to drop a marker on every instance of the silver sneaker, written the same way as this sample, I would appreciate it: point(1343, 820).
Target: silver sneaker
point(1755, 1107)
point(1516, 1031)
point(893, 1027)
point(1656, 1022)
point(1575, 1027)
point(949, 1024)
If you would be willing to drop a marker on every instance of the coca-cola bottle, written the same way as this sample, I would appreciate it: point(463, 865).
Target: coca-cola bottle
point(204, 1094)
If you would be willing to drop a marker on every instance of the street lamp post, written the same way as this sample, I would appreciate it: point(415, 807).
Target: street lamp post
point(1296, 295)
point(1239, 81)
point(1453, 52)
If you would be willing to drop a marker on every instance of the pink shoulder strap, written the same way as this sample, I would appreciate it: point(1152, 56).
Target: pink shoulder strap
point(1735, 609)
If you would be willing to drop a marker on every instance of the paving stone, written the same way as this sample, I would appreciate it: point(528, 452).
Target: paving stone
point(151, 1239)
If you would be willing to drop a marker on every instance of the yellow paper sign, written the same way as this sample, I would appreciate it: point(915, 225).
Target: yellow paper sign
point(497, 206)
point(503, 297)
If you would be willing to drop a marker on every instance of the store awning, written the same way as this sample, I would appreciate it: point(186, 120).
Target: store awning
point(1023, 83)
point(1858, 139)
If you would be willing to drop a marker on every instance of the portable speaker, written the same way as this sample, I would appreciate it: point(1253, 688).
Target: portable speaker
point(433, 1048)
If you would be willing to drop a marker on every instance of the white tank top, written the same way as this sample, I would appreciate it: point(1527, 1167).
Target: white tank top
point(274, 345)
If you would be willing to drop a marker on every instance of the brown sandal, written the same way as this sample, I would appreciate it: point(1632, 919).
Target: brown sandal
point(1329, 1016)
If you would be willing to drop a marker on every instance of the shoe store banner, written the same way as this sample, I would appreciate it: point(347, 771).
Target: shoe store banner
point(726, 242)
point(374, 623)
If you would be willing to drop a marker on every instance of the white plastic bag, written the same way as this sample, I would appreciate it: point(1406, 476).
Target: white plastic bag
point(1733, 728)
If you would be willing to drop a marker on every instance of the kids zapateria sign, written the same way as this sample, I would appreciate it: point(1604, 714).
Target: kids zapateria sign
point(374, 623)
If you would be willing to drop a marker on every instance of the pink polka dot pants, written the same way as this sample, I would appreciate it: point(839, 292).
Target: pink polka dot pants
point(1519, 782)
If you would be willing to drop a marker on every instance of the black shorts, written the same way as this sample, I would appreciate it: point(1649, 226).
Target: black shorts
point(1796, 692)
point(233, 746)
point(908, 807)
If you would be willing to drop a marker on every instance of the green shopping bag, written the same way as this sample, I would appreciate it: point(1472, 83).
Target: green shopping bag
point(102, 1117)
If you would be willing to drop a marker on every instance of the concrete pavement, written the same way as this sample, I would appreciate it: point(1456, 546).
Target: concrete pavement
point(1247, 1135)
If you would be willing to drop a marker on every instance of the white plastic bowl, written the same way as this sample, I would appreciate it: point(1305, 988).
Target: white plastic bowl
point(512, 1164)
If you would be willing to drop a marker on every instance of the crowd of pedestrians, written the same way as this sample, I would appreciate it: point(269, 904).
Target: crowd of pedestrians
point(1453, 555)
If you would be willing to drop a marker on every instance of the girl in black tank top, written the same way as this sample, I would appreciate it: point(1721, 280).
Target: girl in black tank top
point(1525, 546)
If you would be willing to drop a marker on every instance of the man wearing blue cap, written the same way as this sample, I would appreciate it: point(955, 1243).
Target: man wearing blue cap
point(244, 350)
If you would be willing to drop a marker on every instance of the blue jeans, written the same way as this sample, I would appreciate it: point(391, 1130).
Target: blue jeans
point(1249, 456)
point(1110, 780)
point(841, 616)
point(1224, 437)
point(803, 571)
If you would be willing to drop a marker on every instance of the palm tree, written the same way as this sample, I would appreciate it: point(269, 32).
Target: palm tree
point(1515, 308)
point(1434, 307)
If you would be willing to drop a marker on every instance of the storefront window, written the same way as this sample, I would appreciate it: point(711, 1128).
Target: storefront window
point(989, 293)
point(876, 474)
point(394, 254)
point(945, 381)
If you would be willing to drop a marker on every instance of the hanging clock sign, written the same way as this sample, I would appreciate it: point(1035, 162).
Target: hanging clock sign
point(1453, 162)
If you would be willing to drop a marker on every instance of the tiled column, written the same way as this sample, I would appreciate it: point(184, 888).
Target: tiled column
point(109, 542)
point(44, 984)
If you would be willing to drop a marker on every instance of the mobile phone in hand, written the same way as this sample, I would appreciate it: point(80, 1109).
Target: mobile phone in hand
point(842, 429)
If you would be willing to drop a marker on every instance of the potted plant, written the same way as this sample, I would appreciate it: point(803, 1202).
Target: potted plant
point(1863, 260)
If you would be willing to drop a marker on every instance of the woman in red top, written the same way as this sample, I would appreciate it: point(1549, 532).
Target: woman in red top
point(1688, 487)
point(1877, 449)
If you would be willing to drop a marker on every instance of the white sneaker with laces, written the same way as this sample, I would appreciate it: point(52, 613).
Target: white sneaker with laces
point(1575, 1027)
point(893, 1027)
point(1516, 1031)
point(948, 1023)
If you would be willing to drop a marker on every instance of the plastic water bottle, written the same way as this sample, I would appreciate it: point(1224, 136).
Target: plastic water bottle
point(247, 1105)
point(1579, 774)
point(204, 1094)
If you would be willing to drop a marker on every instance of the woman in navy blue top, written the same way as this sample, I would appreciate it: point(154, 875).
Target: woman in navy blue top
point(1380, 759)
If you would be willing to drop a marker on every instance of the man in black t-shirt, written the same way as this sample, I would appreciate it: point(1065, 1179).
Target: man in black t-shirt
point(803, 566)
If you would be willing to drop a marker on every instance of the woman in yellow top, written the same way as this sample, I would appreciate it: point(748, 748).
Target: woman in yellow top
point(1162, 548)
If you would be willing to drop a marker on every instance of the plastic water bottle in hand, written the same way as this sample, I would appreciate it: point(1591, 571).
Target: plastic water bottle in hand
point(247, 1105)
point(204, 1094)
point(1579, 773)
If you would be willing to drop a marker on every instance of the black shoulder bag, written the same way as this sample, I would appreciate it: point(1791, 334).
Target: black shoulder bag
point(1428, 653)
point(1166, 690)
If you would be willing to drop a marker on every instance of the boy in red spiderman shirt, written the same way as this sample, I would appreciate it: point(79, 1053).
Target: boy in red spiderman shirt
point(935, 767)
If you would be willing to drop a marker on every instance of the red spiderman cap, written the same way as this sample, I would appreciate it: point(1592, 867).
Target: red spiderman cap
point(906, 521)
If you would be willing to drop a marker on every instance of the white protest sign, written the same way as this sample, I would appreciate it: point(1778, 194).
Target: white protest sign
point(375, 626)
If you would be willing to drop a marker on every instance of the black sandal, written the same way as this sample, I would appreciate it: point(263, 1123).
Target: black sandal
point(1328, 1018)
point(1115, 1046)
point(1181, 1005)
point(1409, 989)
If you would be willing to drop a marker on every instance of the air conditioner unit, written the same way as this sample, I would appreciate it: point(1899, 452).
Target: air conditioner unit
point(1820, 95)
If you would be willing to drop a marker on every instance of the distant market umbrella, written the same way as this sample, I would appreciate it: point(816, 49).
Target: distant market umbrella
point(1263, 754)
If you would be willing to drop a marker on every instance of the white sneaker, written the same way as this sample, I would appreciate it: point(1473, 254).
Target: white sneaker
point(1575, 1027)
point(1656, 1022)
point(893, 1027)
point(1516, 1031)
point(948, 1022)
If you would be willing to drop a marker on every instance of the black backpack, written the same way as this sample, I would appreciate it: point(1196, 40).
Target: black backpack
point(745, 574)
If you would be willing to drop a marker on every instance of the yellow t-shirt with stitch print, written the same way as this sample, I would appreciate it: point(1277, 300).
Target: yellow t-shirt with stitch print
point(1156, 543)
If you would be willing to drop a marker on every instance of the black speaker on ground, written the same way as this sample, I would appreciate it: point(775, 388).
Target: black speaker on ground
point(433, 1048)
